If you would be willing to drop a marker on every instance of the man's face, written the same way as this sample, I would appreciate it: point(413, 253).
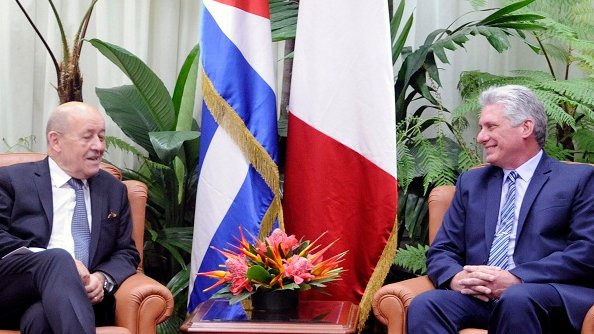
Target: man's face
point(503, 143)
point(82, 145)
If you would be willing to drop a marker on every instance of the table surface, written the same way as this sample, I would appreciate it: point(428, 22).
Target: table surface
point(327, 317)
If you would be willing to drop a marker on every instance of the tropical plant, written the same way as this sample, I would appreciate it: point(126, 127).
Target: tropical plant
point(418, 78)
point(283, 22)
point(163, 126)
point(413, 258)
point(566, 43)
point(22, 144)
point(68, 77)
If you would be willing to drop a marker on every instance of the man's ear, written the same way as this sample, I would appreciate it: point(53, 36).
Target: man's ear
point(53, 141)
point(527, 128)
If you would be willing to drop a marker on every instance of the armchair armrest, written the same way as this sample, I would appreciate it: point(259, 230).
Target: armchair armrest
point(142, 303)
point(391, 302)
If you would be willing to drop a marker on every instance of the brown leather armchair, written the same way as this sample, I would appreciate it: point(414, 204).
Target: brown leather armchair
point(141, 302)
point(391, 302)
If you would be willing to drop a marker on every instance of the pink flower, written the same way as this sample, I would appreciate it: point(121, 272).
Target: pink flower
point(298, 268)
point(287, 243)
point(261, 247)
point(237, 269)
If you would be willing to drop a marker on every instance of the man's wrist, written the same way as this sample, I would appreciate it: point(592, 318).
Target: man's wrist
point(108, 282)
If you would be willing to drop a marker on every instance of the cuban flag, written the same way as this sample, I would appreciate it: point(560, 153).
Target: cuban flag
point(238, 180)
point(341, 142)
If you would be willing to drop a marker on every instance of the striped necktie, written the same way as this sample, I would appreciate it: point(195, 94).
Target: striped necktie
point(80, 224)
point(498, 253)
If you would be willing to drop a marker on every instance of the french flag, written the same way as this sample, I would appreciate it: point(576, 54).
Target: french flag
point(341, 142)
point(238, 181)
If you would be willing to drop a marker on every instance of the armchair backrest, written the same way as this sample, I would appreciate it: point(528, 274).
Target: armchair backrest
point(439, 202)
point(137, 193)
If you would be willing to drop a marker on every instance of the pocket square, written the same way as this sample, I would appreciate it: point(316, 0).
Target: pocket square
point(112, 215)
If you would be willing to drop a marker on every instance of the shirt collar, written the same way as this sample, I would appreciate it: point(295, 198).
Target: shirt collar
point(526, 170)
point(58, 175)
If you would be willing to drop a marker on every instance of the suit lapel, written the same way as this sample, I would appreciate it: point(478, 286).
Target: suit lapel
point(43, 183)
point(539, 178)
point(97, 207)
point(492, 211)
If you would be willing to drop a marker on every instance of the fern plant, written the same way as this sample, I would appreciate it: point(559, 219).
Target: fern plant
point(566, 43)
point(412, 258)
point(418, 79)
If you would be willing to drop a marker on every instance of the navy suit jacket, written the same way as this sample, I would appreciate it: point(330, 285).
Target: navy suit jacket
point(555, 233)
point(26, 217)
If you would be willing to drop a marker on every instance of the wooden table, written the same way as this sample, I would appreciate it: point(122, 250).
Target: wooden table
point(318, 317)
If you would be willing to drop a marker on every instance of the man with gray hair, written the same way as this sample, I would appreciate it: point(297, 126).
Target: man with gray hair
point(514, 253)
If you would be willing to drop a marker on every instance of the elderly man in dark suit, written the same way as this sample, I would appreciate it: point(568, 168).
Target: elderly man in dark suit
point(515, 253)
point(65, 231)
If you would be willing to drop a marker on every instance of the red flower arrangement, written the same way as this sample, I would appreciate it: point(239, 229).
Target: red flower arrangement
point(278, 262)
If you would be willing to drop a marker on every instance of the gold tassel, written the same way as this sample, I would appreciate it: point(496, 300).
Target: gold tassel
point(376, 281)
point(254, 152)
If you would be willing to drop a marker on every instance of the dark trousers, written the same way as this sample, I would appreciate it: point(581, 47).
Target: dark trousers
point(43, 293)
point(524, 308)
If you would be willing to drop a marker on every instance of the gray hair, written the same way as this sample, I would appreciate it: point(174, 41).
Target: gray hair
point(519, 104)
point(58, 121)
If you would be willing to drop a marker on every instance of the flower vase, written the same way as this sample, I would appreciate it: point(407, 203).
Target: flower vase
point(275, 300)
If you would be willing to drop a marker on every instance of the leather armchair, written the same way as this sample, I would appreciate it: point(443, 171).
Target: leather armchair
point(391, 302)
point(141, 302)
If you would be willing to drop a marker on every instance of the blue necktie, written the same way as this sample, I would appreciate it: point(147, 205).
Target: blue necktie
point(498, 253)
point(80, 224)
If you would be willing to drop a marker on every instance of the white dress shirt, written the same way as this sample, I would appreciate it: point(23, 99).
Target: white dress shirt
point(525, 172)
point(64, 200)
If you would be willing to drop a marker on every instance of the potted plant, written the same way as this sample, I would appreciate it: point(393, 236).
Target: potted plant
point(164, 127)
point(276, 267)
point(68, 76)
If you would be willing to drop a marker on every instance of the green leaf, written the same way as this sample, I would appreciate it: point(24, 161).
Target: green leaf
point(286, 22)
point(168, 143)
point(179, 282)
point(396, 19)
point(505, 10)
point(522, 26)
point(151, 89)
point(398, 45)
point(283, 19)
point(517, 18)
point(460, 39)
point(258, 273)
point(496, 37)
point(291, 286)
point(440, 53)
point(125, 107)
point(412, 258)
point(184, 94)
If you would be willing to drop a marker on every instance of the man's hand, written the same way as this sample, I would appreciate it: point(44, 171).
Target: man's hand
point(502, 279)
point(95, 287)
point(93, 282)
point(483, 282)
point(473, 283)
point(83, 272)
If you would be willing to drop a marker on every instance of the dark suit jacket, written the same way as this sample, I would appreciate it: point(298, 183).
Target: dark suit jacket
point(555, 234)
point(26, 217)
